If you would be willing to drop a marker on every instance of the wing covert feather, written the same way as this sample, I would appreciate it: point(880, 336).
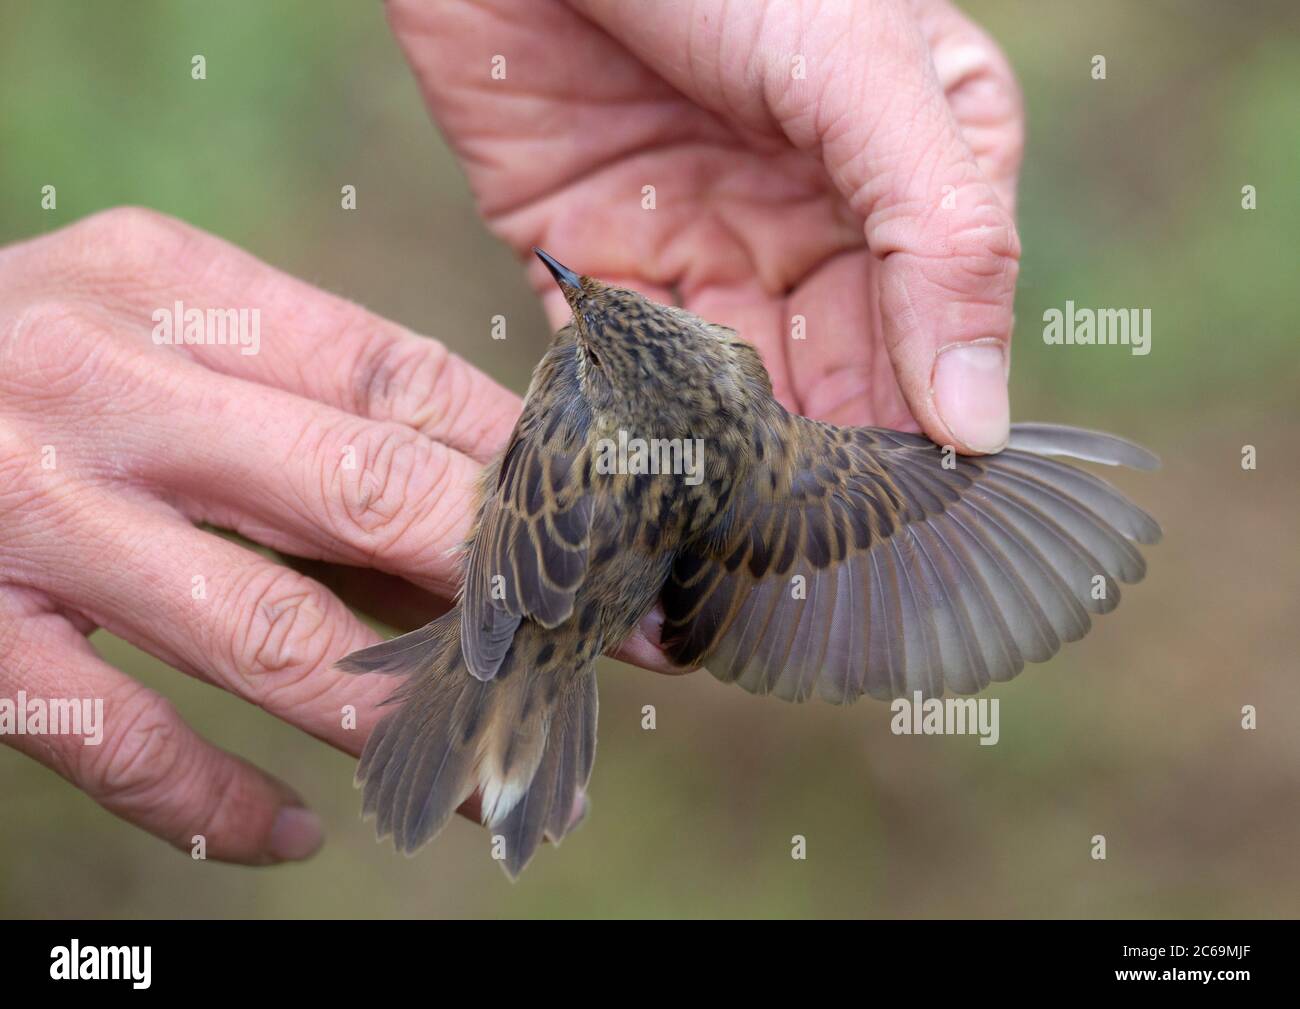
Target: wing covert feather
point(529, 555)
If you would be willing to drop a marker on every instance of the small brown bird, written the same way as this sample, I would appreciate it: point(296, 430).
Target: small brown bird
point(652, 464)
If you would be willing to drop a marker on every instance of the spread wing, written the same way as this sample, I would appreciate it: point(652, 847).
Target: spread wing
point(529, 553)
point(854, 561)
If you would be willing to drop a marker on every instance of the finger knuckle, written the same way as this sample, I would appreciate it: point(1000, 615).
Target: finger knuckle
point(131, 239)
point(1008, 157)
point(20, 489)
point(279, 630)
point(1008, 85)
point(372, 477)
point(1015, 97)
point(1005, 113)
point(48, 340)
point(142, 750)
point(400, 377)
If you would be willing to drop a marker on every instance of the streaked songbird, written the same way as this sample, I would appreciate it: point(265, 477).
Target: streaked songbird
point(795, 558)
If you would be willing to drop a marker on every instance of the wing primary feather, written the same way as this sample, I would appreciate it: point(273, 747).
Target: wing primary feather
point(835, 682)
point(958, 661)
point(1076, 565)
point(1119, 558)
point(998, 646)
point(1081, 443)
point(1094, 493)
point(1020, 560)
point(924, 670)
point(886, 661)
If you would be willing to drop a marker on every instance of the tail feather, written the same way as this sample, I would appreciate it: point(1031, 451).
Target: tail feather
point(524, 741)
point(546, 809)
point(576, 757)
point(401, 655)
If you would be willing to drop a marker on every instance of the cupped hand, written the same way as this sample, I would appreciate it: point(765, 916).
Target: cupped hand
point(834, 180)
point(343, 438)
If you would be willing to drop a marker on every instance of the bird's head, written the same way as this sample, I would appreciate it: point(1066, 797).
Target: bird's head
point(637, 352)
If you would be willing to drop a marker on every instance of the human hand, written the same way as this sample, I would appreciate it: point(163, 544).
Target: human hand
point(874, 196)
point(345, 438)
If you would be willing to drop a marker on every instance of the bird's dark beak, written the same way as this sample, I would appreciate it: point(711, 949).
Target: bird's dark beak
point(569, 281)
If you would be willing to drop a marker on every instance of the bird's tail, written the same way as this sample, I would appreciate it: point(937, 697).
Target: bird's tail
point(524, 740)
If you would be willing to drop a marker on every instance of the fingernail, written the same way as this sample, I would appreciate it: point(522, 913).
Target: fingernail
point(296, 834)
point(970, 393)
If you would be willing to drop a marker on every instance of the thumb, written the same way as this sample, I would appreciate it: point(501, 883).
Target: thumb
point(947, 247)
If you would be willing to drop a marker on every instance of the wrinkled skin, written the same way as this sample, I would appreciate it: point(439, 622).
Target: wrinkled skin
point(819, 198)
point(774, 197)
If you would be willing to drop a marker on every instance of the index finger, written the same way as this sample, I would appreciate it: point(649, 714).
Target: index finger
point(153, 270)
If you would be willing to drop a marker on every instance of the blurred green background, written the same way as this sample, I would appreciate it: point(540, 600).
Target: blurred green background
point(1131, 196)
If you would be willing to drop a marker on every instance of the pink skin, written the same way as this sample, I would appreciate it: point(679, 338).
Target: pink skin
point(819, 197)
